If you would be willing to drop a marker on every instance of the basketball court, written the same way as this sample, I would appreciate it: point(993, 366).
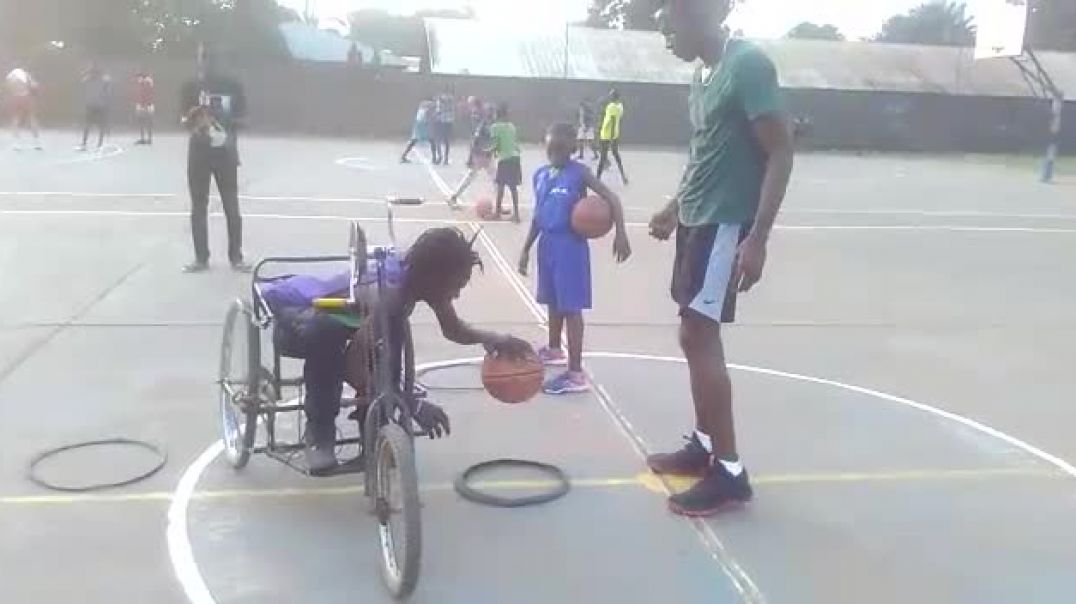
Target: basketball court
point(903, 377)
point(900, 376)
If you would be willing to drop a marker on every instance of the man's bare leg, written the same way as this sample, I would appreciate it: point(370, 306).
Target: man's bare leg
point(711, 388)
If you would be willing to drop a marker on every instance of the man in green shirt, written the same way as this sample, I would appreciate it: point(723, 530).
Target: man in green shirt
point(739, 166)
point(509, 168)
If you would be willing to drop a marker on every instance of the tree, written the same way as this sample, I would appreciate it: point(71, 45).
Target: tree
point(812, 31)
point(135, 27)
point(623, 14)
point(939, 23)
point(1052, 25)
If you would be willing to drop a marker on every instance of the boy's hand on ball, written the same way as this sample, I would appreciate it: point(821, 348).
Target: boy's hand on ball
point(621, 247)
point(512, 347)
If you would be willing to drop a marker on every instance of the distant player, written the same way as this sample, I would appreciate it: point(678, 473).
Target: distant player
point(585, 134)
point(97, 88)
point(509, 165)
point(145, 94)
point(564, 256)
point(481, 148)
point(738, 170)
point(21, 91)
point(421, 132)
point(444, 123)
point(610, 135)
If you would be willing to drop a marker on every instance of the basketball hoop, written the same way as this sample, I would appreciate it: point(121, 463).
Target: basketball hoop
point(1001, 26)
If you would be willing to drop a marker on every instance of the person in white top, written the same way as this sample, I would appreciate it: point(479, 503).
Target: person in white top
point(21, 91)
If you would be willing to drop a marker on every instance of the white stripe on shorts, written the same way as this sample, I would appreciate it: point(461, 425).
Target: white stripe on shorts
point(710, 301)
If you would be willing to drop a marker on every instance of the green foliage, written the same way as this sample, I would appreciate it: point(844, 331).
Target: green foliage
point(938, 23)
point(136, 27)
point(813, 31)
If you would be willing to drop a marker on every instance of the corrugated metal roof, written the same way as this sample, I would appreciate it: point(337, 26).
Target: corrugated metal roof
point(472, 47)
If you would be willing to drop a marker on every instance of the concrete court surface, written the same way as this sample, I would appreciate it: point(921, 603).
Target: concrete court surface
point(902, 379)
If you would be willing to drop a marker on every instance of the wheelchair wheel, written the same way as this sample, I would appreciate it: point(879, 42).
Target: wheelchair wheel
point(240, 373)
point(375, 418)
point(396, 505)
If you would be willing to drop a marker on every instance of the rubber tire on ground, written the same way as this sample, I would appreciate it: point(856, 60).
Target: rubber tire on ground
point(469, 493)
point(393, 439)
point(239, 321)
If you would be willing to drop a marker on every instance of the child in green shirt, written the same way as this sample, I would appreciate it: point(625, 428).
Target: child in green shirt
point(509, 168)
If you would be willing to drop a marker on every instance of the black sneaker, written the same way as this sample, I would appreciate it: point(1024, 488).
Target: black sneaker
point(717, 491)
point(692, 460)
point(198, 266)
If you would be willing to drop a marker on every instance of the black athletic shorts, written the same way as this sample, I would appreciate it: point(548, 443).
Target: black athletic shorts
point(704, 271)
point(509, 172)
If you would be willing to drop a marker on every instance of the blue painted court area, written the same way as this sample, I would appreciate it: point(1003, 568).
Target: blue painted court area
point(902, 378)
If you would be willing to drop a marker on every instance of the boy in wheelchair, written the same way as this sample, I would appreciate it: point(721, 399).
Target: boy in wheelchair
point(434, 270)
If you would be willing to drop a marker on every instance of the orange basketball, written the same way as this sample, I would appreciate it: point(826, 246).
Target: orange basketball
point(511, 380)
point(484, 209)
point(592, 217)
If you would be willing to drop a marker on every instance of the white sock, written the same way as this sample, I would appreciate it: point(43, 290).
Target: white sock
point(704, 438)
point(734, 467)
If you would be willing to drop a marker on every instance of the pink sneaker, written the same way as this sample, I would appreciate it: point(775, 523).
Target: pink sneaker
point(552, 356)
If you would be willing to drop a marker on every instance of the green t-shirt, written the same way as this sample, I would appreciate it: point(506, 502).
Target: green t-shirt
point(505, 143)
point(723, 180)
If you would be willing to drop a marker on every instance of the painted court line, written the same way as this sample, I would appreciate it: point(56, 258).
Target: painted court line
point(105, 152)
point(186, 568)
point(909, 228)
point(646, 481)
point(380, 201)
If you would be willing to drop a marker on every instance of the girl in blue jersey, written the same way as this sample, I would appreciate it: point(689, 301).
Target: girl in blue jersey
point(563, 255)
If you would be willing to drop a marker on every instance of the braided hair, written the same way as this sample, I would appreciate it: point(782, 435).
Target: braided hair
point(440, 260)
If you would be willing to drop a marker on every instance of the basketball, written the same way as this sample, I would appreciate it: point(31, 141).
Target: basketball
point(484, 209)
point(592, 218)
point(512, 380)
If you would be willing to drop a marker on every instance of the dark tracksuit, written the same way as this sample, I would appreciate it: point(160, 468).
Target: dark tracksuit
point(207, 162)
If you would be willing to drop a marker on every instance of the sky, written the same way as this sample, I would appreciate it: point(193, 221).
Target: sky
point(757, 18)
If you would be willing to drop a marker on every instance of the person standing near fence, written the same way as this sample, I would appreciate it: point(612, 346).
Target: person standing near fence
point(144, 107)
point(585, 134)
point(444, 122)
point(214, 106)
point(21, 89)
point(420, 132)
point(610, 135)
point(97, 84)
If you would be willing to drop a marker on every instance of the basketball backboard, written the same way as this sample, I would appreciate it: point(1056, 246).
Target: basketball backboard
point(1001, 25)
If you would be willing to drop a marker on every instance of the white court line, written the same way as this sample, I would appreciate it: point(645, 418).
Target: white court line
point(381, 201)
point(501, 224)
point(359, 163)
point(928, 213)
point(180, 551)
point(185, 566)
point(105, 152)
point(243, 197)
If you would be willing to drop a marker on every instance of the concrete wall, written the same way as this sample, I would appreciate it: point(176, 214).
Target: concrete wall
point(333, 100)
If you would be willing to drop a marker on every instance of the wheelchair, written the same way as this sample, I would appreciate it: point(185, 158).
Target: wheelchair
point(253, 394)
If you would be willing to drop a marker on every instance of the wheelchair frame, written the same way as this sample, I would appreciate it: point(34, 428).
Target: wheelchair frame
point(386, 437)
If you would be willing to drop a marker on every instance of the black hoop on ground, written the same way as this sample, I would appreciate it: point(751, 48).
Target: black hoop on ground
point(469, 493)
point(31, 472)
